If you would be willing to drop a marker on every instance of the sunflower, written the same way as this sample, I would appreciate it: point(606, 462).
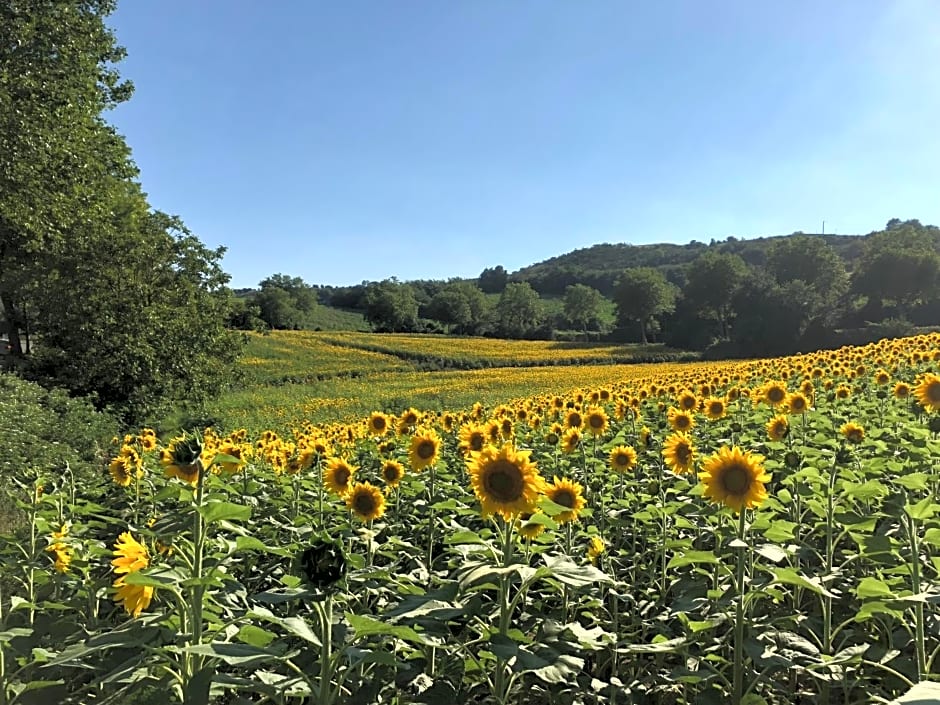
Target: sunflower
point(596, 421)
point(505, 481)
point(715, 408)
point(234, 450)
point(853, 432)
point(774, 393)
point(365, 501)
point(687, 401)
point(392, 472)
point(377, 423)
point(778, 428)
point(596, 548)
point(408, 420)
point(425, 446)
point(734, 478)
point(902, 390)
point(843, 391)
point(337, 476)
point(530, 529)
point(927, 391)
point(130, 557)
point(567, 494)
point(571, 440)
point(797, 403)
point(507, 428)
point(680, 420)
point(61, 551)
point(679, 453)
point(882, 377)
point(122, 466)
point(644, 436)
point(622, 458)
point(147, 439)
point(181, 459)
point(574, 419)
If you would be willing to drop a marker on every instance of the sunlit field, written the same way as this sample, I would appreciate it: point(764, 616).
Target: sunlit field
point(760, 532)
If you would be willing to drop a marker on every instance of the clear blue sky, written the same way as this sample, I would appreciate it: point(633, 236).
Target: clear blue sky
point(345, 141)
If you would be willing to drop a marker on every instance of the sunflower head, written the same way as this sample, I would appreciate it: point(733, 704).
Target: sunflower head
point(774, 393)
point(365, 501)
point(424, 450)
point(571, 440)
point(181, 459)
point(505, 481)
point(568, 494)
point(927, 391)
point(797, 403)
point(338, 475)
point(679, 453)
point(596, 421)
point(377, 423)
point(574, 419)
point(130, 557)
point(902, 390)
point(622, 458)
point(529, 529)
point(734, 478)
point(852, 432)
point(323, 563)
point(680, 420)
point(715, 408)
point(392, 472)
point(778, 428)
point(687, 401)
point(597, 547)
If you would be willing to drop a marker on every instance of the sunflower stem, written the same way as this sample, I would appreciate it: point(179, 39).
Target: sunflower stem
point(197, 590)
point(325, 612)
point(502, 685)
point(918, 606)
point(738, 681)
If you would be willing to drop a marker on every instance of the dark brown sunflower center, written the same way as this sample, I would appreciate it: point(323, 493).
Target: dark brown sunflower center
point(736, 480)
point(687, 403)
point(621, 460)
point(574, 420)
point(378, 423)
point(341, 476)
point(683, 453)
point(933, 392)
point(503, 481)
point(426, 450)
point(390, 472)
point(716, 407)
point(565, 498)
point(364, 503)
point(682, 421)
point(476, 441)
point(798, 404)
point(775, 394)
point(596, 421)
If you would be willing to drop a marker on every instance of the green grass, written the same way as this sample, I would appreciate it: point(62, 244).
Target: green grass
point(329, 318)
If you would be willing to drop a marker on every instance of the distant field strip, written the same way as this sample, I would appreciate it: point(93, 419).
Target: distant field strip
point(471, 353)
point(352, 398)
point(284, 357)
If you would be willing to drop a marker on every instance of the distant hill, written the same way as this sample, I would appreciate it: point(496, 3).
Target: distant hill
point(600, 265)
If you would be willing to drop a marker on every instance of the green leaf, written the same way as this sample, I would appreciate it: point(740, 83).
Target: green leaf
point(464, 537)
point(771, 552)
point(873, 588)
point(235, 654)
point(293, 625)
point(539, 659)
point(780, 530)
point(914, 481)
point(154, 578)
point(924, 509)
point(790, 576)
point(924, 693)
point(573, 575)
point(691, 558)
point(367, 626)
point(666, 646)
point(255, 636)
point(224, 511)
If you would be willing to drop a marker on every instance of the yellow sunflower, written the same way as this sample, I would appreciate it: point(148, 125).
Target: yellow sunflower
point(679, 452)
point(778, 428)
point(596, 421)
point(130, 557)
point(425, 446)
point(902, 390)
point(574, 419)
point(181, 459)
point(774, 393)
point(927, 391)
point(567, 494)
point(596, 548)
point(571, 440)
point(734, 478)
point(853, 432)
point(365, 501)
point(687, 401)
point(797, 403)
point(377, 423)
point(408, 420)
point(530, 529)
point(505, 481)
point(882, 377)
point(715, 408)
point(622, 458)
point(392, 472)
point(338, 475)
point(680, 420)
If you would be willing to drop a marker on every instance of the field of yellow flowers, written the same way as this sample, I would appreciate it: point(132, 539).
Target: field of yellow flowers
point(751, 532)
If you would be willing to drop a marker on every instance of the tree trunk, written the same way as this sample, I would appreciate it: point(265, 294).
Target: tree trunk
point(12, 325)
point(643, 332)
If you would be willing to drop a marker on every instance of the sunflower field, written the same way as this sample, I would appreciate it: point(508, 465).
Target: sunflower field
point(751, 532)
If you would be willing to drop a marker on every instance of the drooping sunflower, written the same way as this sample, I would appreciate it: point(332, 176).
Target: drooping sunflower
point(130, 557)
point(927, 391)
point(505, 481)
point(778, 428)
point(567, 494)
point(365, 501)
point(338, 475)
point(734, 478)
point(530, 529)
point(853, 432)
point(571, 440)
point(597, 421)
point(392, 472)
point(797, 403)
point(377, 424)
point(679, 453)
point(181, 459)
point(622, 458)
point(715, 408)
point(680, 420)
point(424, 450)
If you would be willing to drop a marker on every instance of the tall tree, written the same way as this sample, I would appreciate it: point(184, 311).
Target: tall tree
point(519, 309)
point(286, 302)
point(641, 294)
point(713, 280)
point(460, 304)
point(812, 261)
point(583, 306)
point(493, 279)
point(391, 306)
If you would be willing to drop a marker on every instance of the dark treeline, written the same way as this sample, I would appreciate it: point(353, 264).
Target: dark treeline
point(735, 297)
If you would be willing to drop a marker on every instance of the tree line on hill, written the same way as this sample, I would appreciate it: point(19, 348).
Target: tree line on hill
point(736, 297)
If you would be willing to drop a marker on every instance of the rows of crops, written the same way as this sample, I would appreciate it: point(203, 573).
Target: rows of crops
point(762, 532)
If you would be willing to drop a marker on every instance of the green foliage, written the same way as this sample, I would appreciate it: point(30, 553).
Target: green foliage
point(493, 280)
point(713, 280)
point(518, 310)
point(801, 258)
point(583, 306)
point(461, 305)
point(286, 302)
point(641, 294)
point(391, 306)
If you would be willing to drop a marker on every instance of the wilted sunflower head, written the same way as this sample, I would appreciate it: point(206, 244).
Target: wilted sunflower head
point(323, 563)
